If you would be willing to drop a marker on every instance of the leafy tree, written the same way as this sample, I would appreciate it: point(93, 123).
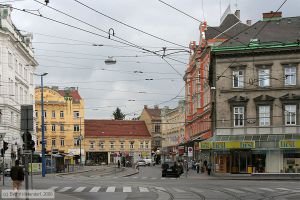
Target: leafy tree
point(118, 115)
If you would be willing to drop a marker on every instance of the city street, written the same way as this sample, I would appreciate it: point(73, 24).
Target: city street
point(148, 184)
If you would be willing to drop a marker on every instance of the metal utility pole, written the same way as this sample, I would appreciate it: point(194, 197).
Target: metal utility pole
point(43, 125)
point(80, 138)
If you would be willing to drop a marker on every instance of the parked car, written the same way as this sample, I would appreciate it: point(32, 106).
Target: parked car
point(148, 161)
point(7, 172)
point(141, 163)
point(170, 168)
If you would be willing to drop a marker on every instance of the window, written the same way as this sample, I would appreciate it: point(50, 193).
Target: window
point(264, 77)
point(146, 145)
point(53, 113)
point(10, 59)
point(45, 114)
point(53, 142)
point(62, 127)
point(1, 116)
point(290, 75)
point(76, 127)
point(141, 145)
point(121, 145)
point(76, 114)
point(157, 143)
point(76, 142)
point(157, 128)
point(112, 145)
point(45, 141)
point(238, 79)
point(264, 115)
point(101, 145)
point(62, 142)
point(45, 127)
point(36, 113)
point(31, 78)
point(61, 114)
point(238, 116)
point(11, 118)
point(131, 144)
point(53, 127)
point(92, 145)
point(290, 114)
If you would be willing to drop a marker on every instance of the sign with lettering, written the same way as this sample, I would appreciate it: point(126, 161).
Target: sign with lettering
point(289, 144)
point(218, 145)
point(247, 145)
point(205, 145)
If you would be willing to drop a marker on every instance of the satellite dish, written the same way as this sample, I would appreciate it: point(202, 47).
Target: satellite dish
point(110, 61)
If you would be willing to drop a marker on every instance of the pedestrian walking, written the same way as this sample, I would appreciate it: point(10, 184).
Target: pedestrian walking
point(119, 163)
point(205, 164)
point(209, 166)
point(17, 175)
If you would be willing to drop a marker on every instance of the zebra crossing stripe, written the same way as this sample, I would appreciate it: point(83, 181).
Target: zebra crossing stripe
point(79, 189)
point(127, 189)
point(135, 177)
point(95, 189)
point(143, 189)
point(153, 178)
point(144, 177)
point(111, 189)
point(64, 189)
point(234, 190)
point(267, 189)
point(178, 190)
point(160, 188)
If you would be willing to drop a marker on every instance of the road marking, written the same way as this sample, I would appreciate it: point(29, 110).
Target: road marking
point(285, 189)
point(111, 189)
point(234, 190)
point(178, 190)
point(144, 177)
point(135, 177)
point(153, 178)
point(267, 189)
point(95, 189)
point(79, 189)
point(251, 190)
point(160, 188)
point(143, 189)
point(173, 178)
point(127, 189)
point(64, 189)
point(53, 188)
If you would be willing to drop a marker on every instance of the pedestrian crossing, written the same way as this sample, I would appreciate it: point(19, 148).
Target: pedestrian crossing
point(130, 189)
point(95, 177)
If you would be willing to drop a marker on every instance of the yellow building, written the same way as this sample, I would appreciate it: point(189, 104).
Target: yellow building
point(107, 141)
point(64, 122)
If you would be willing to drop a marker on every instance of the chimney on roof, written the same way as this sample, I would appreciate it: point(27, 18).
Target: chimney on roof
point(248, 22)
point(272, 16)
point(156, 107)
point(237, 13)
point(145, 106)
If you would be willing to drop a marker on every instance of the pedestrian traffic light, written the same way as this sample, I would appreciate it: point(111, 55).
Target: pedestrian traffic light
point(29, 144)
point(5, 147)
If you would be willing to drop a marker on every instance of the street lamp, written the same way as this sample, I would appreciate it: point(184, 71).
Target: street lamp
point(43, 124)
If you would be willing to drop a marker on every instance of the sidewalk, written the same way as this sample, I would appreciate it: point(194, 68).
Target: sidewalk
point(192, 174)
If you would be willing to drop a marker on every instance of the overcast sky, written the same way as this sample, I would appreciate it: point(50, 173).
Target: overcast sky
point(71, 59)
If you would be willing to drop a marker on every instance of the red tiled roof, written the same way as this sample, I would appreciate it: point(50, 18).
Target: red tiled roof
point(73, 93)
point(115, 128)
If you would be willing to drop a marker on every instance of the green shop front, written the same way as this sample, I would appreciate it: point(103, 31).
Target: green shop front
point(253, 153)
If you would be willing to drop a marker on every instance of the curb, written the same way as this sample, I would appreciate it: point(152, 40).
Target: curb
point(134, 173)
point(78, 172)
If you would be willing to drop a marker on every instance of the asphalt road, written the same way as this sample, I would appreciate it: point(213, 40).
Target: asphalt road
point(149, 185)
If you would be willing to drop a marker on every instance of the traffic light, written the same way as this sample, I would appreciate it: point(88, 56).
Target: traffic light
point(29, 144)
point(5, 147)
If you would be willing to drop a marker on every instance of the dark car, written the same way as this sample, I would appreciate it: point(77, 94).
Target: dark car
point(170, 168)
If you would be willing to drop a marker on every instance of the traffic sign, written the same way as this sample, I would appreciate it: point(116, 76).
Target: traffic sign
point(2, 135)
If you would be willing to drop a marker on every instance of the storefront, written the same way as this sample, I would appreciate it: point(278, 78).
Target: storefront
point(260, 154)
point(98, 158)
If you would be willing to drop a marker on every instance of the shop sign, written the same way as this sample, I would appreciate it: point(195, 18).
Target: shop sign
point(219, 145)
point(145, 153)
point(205, 145)
point(289, 144)
point(247, 145)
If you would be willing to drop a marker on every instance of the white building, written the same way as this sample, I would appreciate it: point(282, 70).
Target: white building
point(17, 65)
